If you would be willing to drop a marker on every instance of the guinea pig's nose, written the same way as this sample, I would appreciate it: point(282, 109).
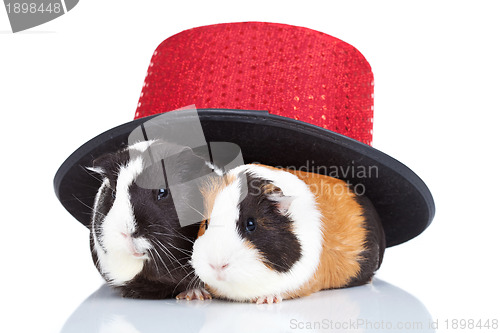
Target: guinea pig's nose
point(219, 267)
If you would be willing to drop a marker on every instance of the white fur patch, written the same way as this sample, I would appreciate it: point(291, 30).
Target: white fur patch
point(118, 257)
point(218, 171)
point(246, 277)
point(97, 201)
point(141, 146)
point(96, 170)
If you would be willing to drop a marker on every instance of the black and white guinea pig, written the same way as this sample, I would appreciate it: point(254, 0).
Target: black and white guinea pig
point(293, 234)
point(136, 239)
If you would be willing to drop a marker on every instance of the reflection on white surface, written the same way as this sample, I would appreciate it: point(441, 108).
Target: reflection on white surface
point(378, 307)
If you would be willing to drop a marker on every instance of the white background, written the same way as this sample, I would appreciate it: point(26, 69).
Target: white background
point(437, 88)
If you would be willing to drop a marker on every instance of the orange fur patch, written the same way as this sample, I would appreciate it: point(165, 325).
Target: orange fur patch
point(210, 190)
point(344, 233)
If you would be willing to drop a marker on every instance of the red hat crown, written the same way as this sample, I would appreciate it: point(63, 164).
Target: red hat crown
point(287, 70)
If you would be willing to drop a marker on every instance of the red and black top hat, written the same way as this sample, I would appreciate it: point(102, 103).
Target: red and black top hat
point(287, 96)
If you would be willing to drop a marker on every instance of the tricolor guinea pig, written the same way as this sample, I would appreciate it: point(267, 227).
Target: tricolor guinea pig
point(274, 234)
point(136, 239)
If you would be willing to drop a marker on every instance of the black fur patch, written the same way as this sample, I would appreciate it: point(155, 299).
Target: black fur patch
point(273, 236)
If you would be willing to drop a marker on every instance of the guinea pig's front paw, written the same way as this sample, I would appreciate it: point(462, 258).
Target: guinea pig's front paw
point(268, 299)
point(197, 293)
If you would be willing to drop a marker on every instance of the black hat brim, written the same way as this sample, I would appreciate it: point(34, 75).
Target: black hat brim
point(402, 200)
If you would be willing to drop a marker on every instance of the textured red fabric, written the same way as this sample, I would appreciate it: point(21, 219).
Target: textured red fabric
point(287, 70)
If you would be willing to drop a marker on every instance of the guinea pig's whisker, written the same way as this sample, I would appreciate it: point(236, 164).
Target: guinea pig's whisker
point(165, 265)
point(180, 266)
point(197, 283)
point(92, 211)
point(164, 248)
point(196, 210)
point(187, 252)
point(184, 258)
point(83, 203)
point(274, 264)
point(183, 267)
point(154, 261)
point(168, 228)
point(200, 284)
point(178, 234)
point(169, 256)
point(160, 233)
point(187, 275)
point(191, 283)
point(188, 256)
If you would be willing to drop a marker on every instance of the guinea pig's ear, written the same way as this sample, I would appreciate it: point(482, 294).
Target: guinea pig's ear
point(274, 193)
point(101, 164)
point(191, 165)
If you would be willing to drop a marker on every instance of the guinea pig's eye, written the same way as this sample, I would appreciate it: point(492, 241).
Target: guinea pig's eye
point(113, 194)
point(162, 194)
point(251, 224)
point(206, 224)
